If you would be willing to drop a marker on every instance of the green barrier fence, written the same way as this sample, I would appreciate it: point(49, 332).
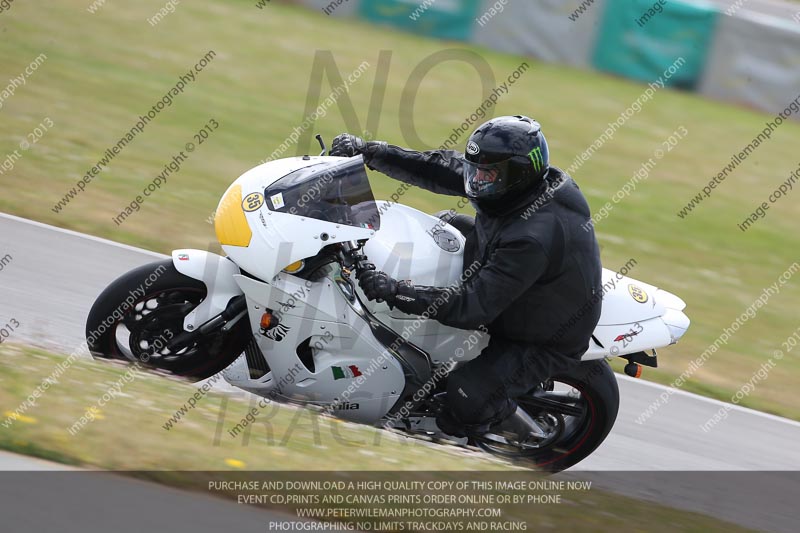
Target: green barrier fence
point(446, 19)
point(641, 39)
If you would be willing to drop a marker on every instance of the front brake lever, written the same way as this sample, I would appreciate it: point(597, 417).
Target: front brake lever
point(321, 144)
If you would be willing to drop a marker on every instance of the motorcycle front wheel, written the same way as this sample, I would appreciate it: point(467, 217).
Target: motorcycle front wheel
point(137, 315)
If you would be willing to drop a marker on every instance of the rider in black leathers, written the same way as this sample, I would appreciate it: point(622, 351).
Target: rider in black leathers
point(537, 288)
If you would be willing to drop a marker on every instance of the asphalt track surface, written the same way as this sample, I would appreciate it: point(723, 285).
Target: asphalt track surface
point(54, 275)
point(38, 495)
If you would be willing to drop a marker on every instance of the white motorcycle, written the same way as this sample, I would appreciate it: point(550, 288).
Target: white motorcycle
point(283, 318)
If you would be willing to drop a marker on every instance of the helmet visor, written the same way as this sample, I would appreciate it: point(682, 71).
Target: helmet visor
point(486, 180)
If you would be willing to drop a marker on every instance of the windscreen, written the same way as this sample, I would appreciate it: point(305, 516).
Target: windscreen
point(336, 192)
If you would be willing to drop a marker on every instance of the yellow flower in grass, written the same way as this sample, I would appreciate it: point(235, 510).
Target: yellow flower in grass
point(22, 418)
point(235, 463)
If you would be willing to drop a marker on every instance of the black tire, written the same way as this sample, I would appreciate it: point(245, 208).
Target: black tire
point(599, 392)
point(153, 315)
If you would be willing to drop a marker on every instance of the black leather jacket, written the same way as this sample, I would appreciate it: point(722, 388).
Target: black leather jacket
point(539, 279)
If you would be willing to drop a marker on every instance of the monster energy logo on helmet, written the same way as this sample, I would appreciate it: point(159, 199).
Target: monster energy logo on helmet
point(536, 158)
point(506, 158)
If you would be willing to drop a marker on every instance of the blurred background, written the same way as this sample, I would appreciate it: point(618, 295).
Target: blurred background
point(695, 82)
point(741, 51)
point(678, 119)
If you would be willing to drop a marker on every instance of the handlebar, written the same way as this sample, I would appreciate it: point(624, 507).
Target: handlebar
point(352, 258)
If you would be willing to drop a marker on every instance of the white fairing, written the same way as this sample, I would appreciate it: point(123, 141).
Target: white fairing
point(636, 316)
point(280, 239)
point(217, 274)
point(348, 362)
point(416, 246)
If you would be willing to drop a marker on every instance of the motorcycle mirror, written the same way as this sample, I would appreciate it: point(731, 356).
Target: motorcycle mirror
point(321, 144)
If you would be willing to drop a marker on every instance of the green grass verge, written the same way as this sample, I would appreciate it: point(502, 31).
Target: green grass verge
point(128, 432)
point(130, 437)
point(104, 70)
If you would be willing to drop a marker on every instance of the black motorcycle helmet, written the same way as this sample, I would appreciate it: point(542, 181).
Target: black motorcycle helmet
point(506, 158)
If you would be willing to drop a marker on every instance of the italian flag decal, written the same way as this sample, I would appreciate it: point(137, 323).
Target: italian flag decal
point(351, 372)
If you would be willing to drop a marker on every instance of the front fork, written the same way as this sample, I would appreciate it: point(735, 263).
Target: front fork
point(226, 320)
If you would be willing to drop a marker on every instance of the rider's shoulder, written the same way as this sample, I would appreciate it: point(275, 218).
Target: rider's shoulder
point(557, 177)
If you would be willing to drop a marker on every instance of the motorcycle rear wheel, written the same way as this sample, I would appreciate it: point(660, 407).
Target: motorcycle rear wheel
point(581, 419)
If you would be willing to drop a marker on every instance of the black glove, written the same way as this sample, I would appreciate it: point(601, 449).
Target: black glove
point(378, 285)
point(346, 145)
